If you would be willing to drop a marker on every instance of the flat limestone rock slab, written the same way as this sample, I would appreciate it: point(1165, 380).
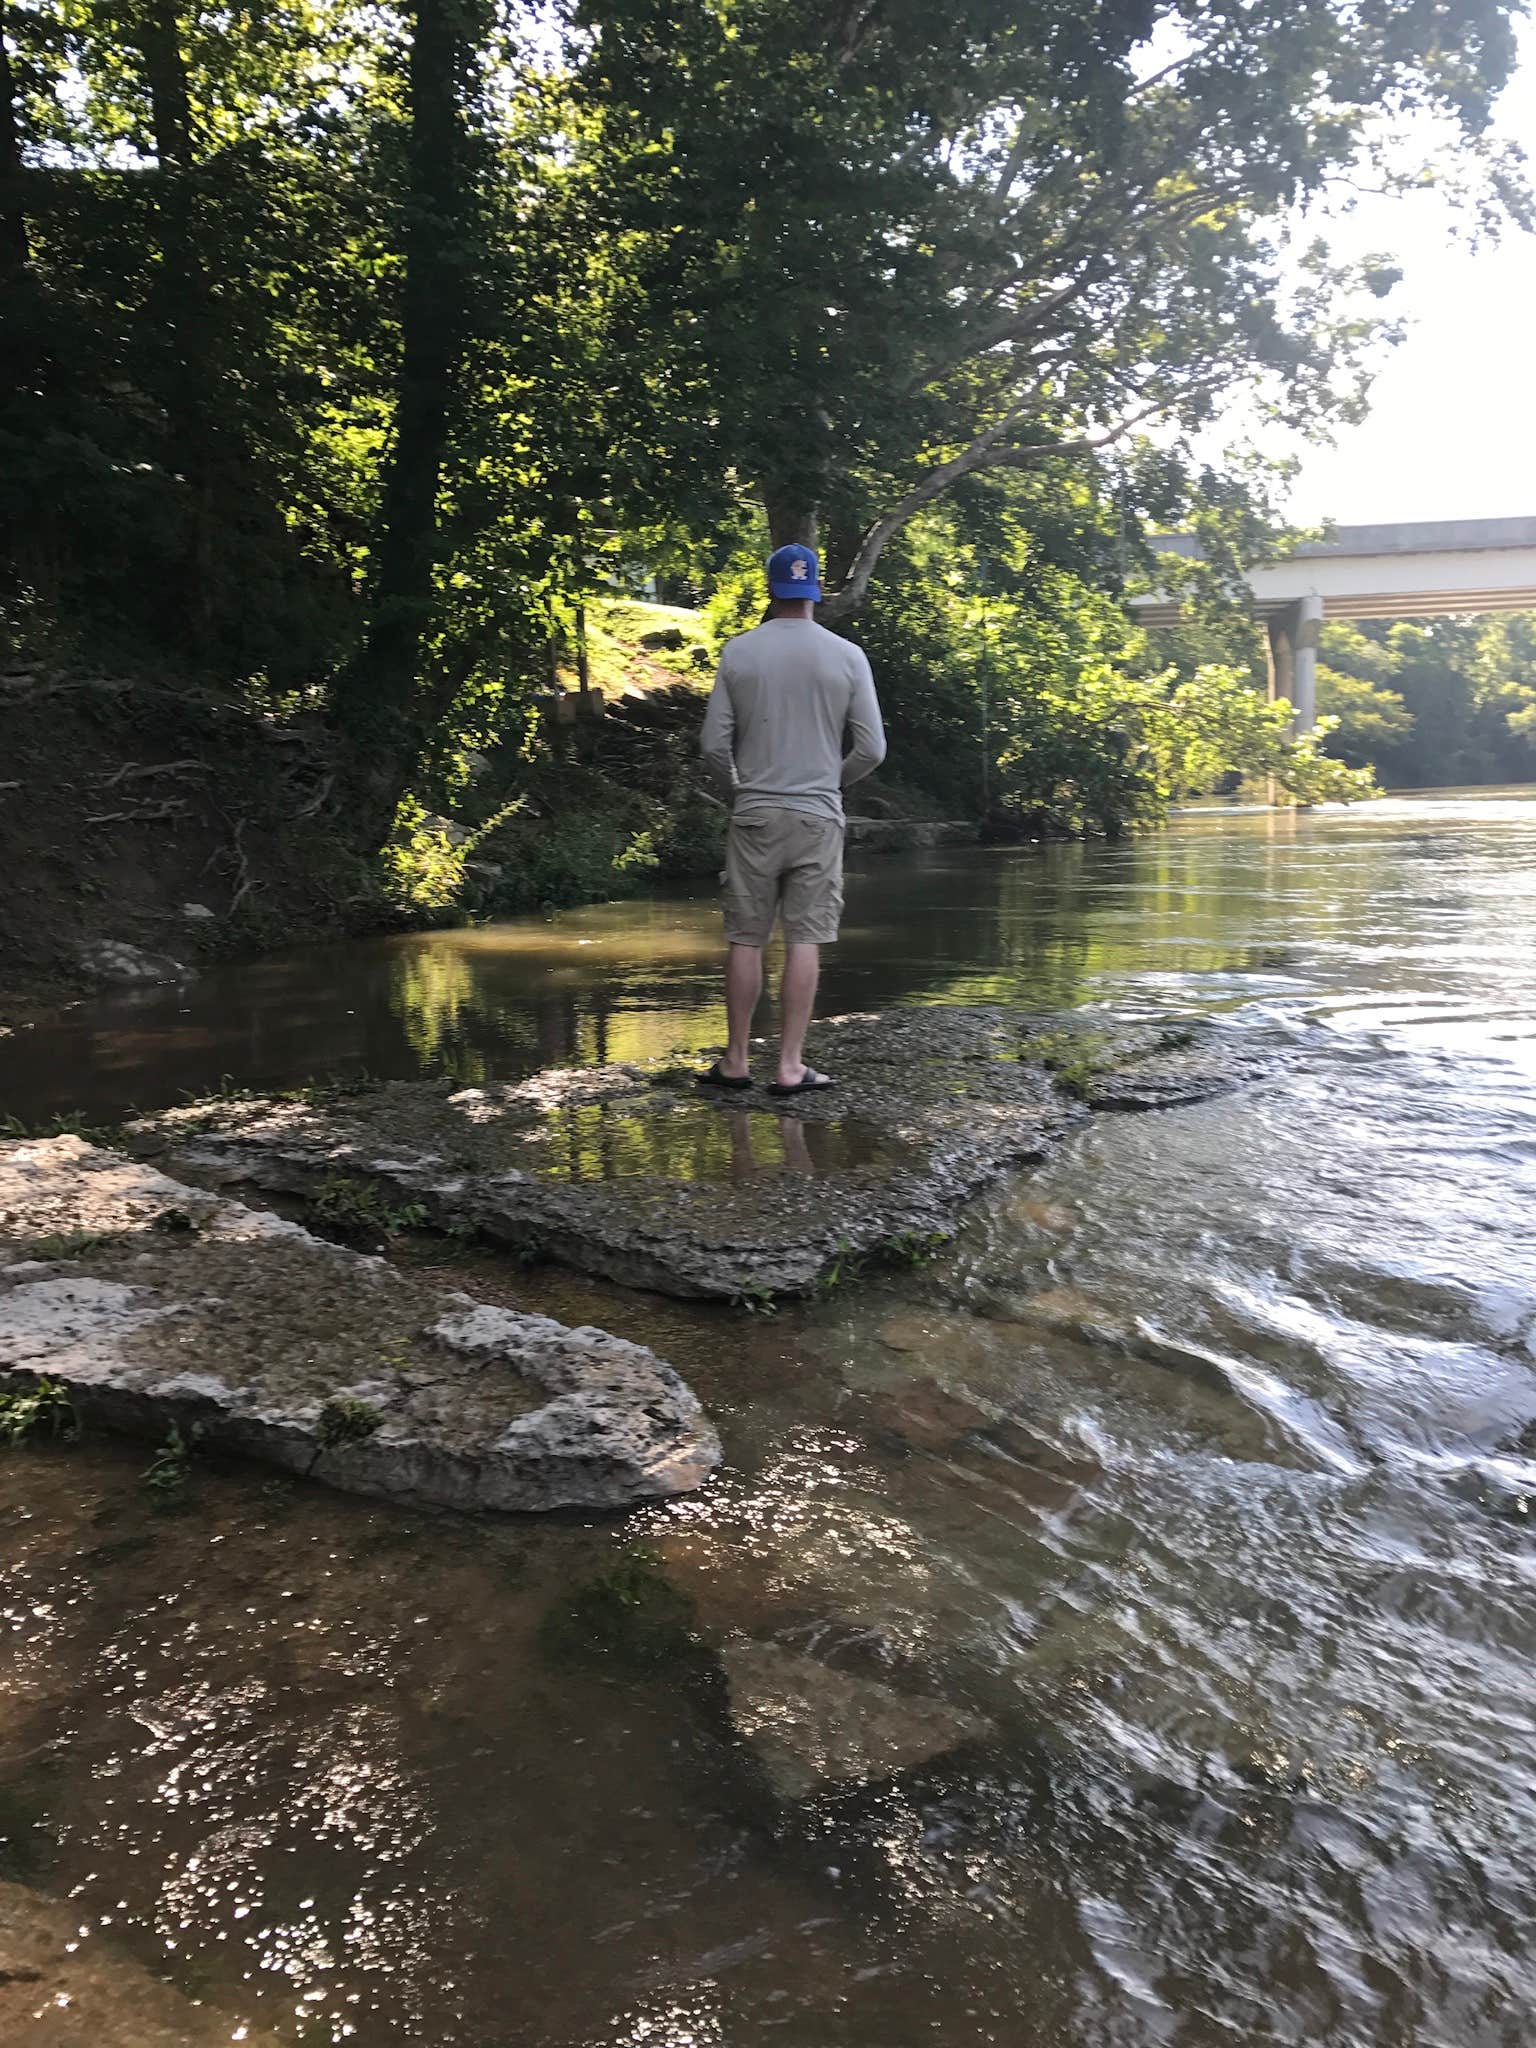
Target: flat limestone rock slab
point(58, 1990)
point(153, 1302)
point(638, 1175)
point(817, 1729)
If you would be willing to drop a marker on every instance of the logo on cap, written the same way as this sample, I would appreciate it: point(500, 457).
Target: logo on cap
point(794, 572)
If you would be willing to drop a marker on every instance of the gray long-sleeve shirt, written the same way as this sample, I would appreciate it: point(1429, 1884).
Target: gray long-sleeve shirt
point(785, 696)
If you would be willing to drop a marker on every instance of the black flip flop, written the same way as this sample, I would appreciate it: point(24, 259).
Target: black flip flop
point(808, 1081)
point(715, 1079)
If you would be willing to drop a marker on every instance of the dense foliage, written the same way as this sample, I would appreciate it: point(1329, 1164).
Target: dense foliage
point(346, 351)
point(1434, 703)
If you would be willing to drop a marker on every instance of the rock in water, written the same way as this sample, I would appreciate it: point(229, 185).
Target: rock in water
point(59, 1991)
point(155, 1303)
point(814, 1729)
point(116, 960)
point(638, 1175)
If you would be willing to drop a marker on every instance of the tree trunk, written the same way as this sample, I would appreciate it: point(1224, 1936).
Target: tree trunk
point(377, 701)
point(24, 535)
point(840, 552)
point(165, 73)
point(792, 515)
point(183, 304)
point(14, 249)
point(796, 489)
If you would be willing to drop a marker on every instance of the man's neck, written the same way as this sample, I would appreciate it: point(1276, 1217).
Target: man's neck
point(791, 608)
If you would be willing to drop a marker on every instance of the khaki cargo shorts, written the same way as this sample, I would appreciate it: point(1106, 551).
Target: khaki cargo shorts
point(787, 863)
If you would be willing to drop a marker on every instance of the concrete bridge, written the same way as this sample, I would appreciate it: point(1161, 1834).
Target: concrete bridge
point(1411, 571)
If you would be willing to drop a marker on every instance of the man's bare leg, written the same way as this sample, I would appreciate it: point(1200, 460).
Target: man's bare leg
point(743, 989)
point(797, 999)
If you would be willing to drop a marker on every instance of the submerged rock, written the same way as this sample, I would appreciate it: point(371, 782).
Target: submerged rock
point(926, 1417)
point(1167, 1080)
point(814, 1729)
point(58, 1990)
point(923, 1415)
point(638, 1175)
point(114, 960)
point(153, 1303)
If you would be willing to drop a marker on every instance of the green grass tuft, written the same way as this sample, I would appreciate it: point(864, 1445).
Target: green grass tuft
point(42, 1408)
point(72, 1244)
point(630, 1615)
point(359, 1207)
point(168, 1475)
point(345, 1420)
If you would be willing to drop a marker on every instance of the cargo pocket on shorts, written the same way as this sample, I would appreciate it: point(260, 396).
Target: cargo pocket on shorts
point(751, 884)
point(813, 887)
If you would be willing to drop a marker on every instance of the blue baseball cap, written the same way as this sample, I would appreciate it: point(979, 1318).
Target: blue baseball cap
point(793, 571)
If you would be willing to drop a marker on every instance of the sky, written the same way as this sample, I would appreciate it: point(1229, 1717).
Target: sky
point(1452, 430)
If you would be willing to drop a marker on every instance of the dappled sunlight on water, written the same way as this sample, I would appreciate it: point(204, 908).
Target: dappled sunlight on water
point(1199, 1469)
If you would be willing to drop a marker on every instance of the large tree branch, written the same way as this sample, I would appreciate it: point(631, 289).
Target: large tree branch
point(1055, 253)
point(1018, 156)
point(851, 29)
point(1160, 77)
point(1128, 201)
point(1017, 323)
point(933, 485)
point(992, 450)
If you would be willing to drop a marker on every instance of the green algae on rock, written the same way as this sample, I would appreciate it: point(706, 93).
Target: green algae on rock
point(278, 1345)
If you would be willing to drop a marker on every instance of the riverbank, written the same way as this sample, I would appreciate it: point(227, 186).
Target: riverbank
point(149, 832)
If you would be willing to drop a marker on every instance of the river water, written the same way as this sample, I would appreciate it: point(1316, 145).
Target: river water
point(1256, 1661)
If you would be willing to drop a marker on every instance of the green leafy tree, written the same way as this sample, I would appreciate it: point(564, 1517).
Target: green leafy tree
point(346, 351)
point(1353, 674)
point(882, 249)
point(1444, 701)
point(1371, 724)
point(1014, 687)
point(1504, 673)
point(184, 207)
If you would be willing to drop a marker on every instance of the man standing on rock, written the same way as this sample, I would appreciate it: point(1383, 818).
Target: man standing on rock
point(792, 721)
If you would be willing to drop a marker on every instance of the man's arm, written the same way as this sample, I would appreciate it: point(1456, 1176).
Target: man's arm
point(717, 740)
point(865, 730)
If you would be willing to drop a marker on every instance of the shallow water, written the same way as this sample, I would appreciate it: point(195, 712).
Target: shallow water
point(1240, 1569)
point(602, 1141)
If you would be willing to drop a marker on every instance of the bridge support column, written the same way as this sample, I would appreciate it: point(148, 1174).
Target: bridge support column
point(1309, 623)
point(1282, 655)
point(1293, 639)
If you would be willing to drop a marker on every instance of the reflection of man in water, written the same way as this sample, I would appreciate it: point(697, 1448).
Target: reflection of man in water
point(793, 720)
point(792, 1140)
